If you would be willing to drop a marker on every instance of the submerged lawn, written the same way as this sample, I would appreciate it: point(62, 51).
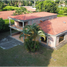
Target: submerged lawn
point(18, 56)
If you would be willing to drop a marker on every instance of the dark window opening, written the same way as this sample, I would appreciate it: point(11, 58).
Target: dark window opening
point(25, 23)
point(20, 24)
point(42, 39)
point(61, 38)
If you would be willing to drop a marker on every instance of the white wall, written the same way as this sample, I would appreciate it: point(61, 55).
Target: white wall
point(51, 41)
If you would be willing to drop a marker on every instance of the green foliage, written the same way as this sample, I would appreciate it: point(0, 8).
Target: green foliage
point(48, 6)
point(31, 32)
point(1, 24)
point(31, 46)
point(1, 5)
point(61, 12)
point(57, 1)
point(16, 2)
point(66, 2)
point(4, 25)
point(65, 10)
point(21, 10)
point(10, 8)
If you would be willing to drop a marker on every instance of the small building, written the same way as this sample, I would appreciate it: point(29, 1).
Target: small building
point(54, 27)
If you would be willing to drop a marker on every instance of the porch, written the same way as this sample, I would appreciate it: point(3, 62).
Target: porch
point(16, 36)
point(16, 27)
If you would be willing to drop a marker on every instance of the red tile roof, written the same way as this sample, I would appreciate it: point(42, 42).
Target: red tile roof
point(54, 26)
point(32, 15)
point(5, 14)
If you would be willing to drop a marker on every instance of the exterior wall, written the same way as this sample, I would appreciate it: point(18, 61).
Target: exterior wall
point(25, 23)
point(51, 41)
point(65, 38)
point(37, 21)
point(30, 22)
point(57, 41)
point(16, 23)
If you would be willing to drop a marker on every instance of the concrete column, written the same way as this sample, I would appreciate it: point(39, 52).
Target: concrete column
point(52, 41)
point(10, 25)
point(32, 21)
point(23, 24)
point(23, 33)
point(65, 37)
point(57, 41)
point(28, 22)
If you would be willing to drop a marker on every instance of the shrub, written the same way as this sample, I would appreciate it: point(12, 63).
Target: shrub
point(1, 5)
point(31, 46)
point(1, 24)
point(5, 25)
point(10, 8)
point(65, 10)
point(20, 11)
point(61, 12)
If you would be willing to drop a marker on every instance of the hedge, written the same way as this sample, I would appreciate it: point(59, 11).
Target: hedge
point(10, 8)
point(5, 26)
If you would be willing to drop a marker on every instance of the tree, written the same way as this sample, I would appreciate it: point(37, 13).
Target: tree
point(1, 24)
point(21, 10)
point(1, 5)
point(66, 2)
point(31, 33)
point(57, 1)
point(48, 6)
point(17, 2)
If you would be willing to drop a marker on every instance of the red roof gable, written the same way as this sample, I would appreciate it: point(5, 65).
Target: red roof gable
point(54, 26)
point(32, 15)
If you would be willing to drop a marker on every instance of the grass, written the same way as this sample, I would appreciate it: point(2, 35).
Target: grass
point(63, 15)
point(18, 56)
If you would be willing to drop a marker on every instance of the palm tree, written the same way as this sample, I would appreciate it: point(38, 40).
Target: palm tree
point(32, 33)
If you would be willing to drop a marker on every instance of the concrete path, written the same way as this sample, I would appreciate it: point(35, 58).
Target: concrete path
point(9, 42)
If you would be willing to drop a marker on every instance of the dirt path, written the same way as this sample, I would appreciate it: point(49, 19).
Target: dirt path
point(6, 14)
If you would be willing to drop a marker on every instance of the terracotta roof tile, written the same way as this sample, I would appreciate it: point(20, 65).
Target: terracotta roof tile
point(32, 15)
point(54, 26)
point(5, 14)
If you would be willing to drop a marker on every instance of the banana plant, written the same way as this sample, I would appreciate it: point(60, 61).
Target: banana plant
point(41, 34)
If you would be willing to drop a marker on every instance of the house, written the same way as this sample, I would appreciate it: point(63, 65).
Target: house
point(54, 27)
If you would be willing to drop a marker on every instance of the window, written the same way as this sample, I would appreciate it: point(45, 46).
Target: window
point(25, 23)
point(61, 38)
point(20, 24)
